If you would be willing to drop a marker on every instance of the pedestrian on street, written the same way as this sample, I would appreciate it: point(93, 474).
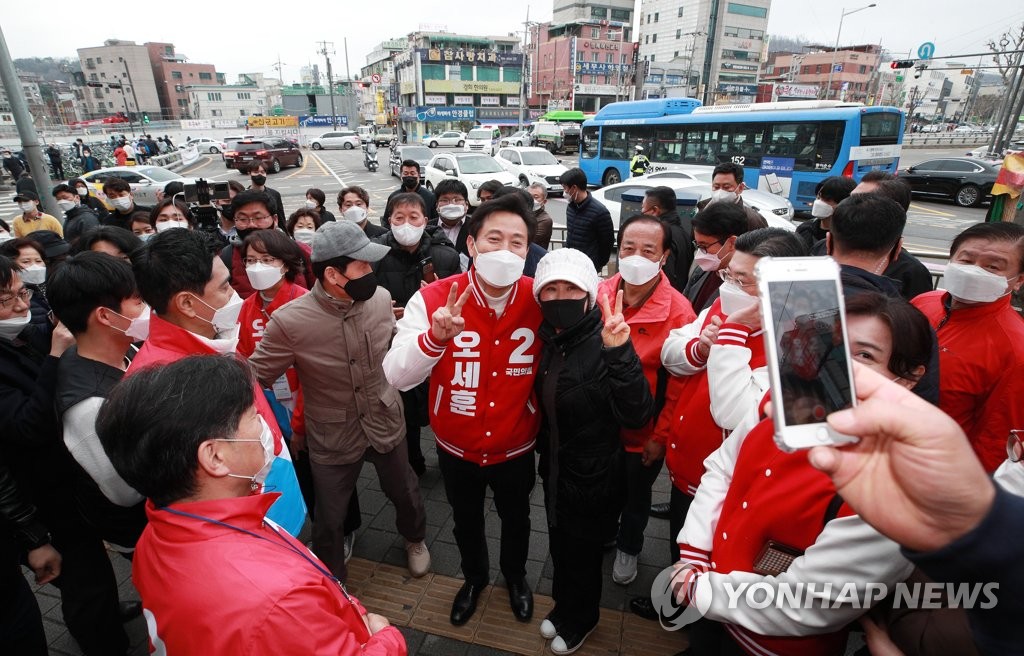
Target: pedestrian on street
point(354, 206)
point(589, 226)
point(56, 163)
point(12, 164)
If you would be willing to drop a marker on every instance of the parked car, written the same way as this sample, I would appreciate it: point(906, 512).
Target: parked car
point(966, 181)
point(145, 181)
point(205, 145)
point(449, 138)
point(483, 139)
point(473, 169)
point(274, 152)
point(419, 154)
point(520, 138)
point(532, 165)
point(346, 139)
point(776, 210)
point(384, 136)
point(762, 201)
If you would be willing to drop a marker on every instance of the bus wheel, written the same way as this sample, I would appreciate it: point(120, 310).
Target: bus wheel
point(611, 176)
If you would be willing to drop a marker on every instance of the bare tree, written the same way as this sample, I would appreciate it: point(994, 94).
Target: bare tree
point(1012, 39)
point(915, 98)
point(985, 108)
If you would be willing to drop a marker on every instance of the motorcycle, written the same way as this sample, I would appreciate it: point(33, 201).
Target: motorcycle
point(370, 157)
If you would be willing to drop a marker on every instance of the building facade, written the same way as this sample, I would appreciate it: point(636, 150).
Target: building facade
point(122, 80)
point(379, 88)
point(172, 74)
point(226, 101)
point(305, 100)
point(709, 49)
point(855, 76)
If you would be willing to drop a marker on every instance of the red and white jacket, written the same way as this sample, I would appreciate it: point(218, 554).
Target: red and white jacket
point(981, 358)
point(751, 493)
point(209, 588)
point(650, 325)
point(482, 405)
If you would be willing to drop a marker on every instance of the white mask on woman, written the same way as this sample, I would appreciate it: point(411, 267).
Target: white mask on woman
point(304, 235)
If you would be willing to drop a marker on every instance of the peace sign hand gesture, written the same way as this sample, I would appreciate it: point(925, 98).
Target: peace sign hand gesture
point(447, 320)
point(616, 330)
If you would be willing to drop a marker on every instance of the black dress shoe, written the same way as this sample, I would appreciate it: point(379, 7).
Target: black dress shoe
point(521, 599)
point(465, 603)
point(129, 610)
point(644, 607)
point(661, 510)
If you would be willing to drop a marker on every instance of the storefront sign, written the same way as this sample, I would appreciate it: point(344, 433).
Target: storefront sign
point(440, 100)
point(459, 86)
point(805, 91)
point(439, 114)
point(469, 56)
point(462, 100)
point(492, 101)
point(273, 122)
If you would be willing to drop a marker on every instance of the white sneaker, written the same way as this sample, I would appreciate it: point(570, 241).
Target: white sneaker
point(624, 568)
point(350, 541)
point(419, 558)
point(548, 630)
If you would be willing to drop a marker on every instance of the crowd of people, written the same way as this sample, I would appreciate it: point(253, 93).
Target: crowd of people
point(192, 397)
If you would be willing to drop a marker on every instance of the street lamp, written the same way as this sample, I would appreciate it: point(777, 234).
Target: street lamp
point(832, 69)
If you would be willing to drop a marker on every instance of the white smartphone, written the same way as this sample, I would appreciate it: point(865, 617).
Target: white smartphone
point(809, 362)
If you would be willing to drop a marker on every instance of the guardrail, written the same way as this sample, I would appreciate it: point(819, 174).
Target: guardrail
point(933, 139)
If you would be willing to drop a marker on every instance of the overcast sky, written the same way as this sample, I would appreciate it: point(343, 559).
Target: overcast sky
point(247, 36)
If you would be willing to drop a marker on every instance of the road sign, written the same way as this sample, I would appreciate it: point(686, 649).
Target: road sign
point(375, 78)
point(838, 68)
point(926, 51)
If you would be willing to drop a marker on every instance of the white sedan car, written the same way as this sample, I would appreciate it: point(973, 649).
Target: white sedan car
point(347, 140)
point(533, 165)
point(473, 169)
point(205, 145)
point(776, 210)
point(145, 181)
point(450, 138)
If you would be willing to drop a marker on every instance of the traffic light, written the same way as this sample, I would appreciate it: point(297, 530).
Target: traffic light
point(902, 63)
point(145, 118)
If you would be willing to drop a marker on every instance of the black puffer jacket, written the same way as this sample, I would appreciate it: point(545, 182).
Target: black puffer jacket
point(587, 393)
point(400, 272)
point(589, 229)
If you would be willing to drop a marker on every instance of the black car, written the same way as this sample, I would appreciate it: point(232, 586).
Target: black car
point(420, 154)
point(967, 182)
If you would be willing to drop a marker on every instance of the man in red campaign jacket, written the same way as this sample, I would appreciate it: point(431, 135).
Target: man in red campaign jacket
point(474, 336)
point(216, 576)
point(195, 312)
point(981, 338)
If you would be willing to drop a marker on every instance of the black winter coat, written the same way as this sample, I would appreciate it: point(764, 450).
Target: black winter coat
point(680, 257)
point(79, 221)
point(587, 393)
point(589, 229)
point(401, 272)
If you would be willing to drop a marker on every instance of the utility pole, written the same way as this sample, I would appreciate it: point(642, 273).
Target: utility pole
point(709, 52)
point(330, 81)
point(522, 73)
point(26, 130)
point(279, 66)
point(134, 98)
point(689, 64)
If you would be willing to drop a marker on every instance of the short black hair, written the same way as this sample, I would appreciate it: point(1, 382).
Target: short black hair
point(154, 447)
point(664, 197)
point(64, 188)
point(877, 175)
point(771, 242)
point(508, 203)
point(174, 261)
point(277, 244)
point(358, 191)
point(451, 186)
point(125, 241)
point(317, 195)
point(410, 163)
point(574, 178)
point(407, 198)
point(722, 220)
point(254, 166)
point(116, 184)
point(167, 201)
point(298, 214)
point(493, 186)
point(12, 247)
point(339, 263)
point(998, 231)
point(243, 198)
point(867, 223)
point(911, 333)
point(666, 242)
point(728, 168)
point(895, 189)
point(836, 188)
point(85, 282)
point(173, 188)
point(8, 267)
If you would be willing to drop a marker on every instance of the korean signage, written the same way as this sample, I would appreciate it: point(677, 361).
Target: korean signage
point(461, 100)
point(512, 101)
point(487, 113)
point(460, 86)
point(601, 89)
point(860, 153)
point(739, 67)
point(195, 124)
point(805, 91)
point(737, 89)
point(469, 56)
point(600, 68)
point(407, 87)
point(407, 113)
point(492, 101)
point(438, 114)
point(273, 122)
point(322, 121)
point(601, 45)
point(394, 44)
point(440, 100)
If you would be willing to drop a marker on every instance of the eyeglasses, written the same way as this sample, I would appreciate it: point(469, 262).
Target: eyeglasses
point(727, 276)
point(704, 249)
point(1014, 447)
point(268, 260)
point(242, 221)
point(24, 294)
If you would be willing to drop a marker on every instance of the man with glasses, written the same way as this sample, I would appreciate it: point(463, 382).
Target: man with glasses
point(251, 211)
point(715, 229)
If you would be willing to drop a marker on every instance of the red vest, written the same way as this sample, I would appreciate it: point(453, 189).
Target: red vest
point(482, 404)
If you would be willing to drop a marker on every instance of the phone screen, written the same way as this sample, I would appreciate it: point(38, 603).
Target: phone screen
point(813, 367)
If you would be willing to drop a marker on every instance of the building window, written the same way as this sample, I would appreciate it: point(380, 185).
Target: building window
point(647, 39)
point(179, 88)
point(679, 34)
point(176, 75)
point(595, 33)
point(110, 105)
point(747, 10)
point(621, 15)
point(168, 50)
point(216, 112)
point(598, 12)
point(241, 112)
point(97, 92)
point(103, 75)
point(655, 17)
point(675, 54)
point(509, 74)
point(863, 69)
point(652, 57)
point(92, 76)
point(487, 74)
point(610, 59)
point(432, 71)
point(213, 96)
point(244, 95)
point(654, 38)
point(205, 76)
point(680, 14)
point(648, 19)
point(743, 33)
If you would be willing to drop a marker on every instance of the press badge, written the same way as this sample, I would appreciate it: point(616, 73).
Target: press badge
point(282, 391)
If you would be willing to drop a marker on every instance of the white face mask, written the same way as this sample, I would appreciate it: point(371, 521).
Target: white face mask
point(167, 225)
point(5, 236)
point(311, 204)
point(263, 276)
point(304, 235)
point(707, 261)
point(355, 214)
point(820, 209)
point(735, 299)
point(82, 191)
point(537, 205)
point(723, 196)
point(11, 328)
point(407, 235)
point(34, 275)
point(967, 282)
point(27, 206)
point(138, 328)
point(124, 203)
point(66, 205)
point(1010, 476)
point(259, 479)
point(452, 212)
point(225, 319)
point(499, 268)
point(638, 270)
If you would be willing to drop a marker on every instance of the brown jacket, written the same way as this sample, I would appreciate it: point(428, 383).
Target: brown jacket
point(336, 347)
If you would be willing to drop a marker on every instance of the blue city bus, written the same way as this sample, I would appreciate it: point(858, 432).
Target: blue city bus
point(784, 147)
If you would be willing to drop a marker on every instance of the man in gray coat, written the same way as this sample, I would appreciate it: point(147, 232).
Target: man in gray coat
point(336, 337)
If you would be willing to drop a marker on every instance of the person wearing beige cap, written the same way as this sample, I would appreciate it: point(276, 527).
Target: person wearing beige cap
point(590, 386)
point(336, 337)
